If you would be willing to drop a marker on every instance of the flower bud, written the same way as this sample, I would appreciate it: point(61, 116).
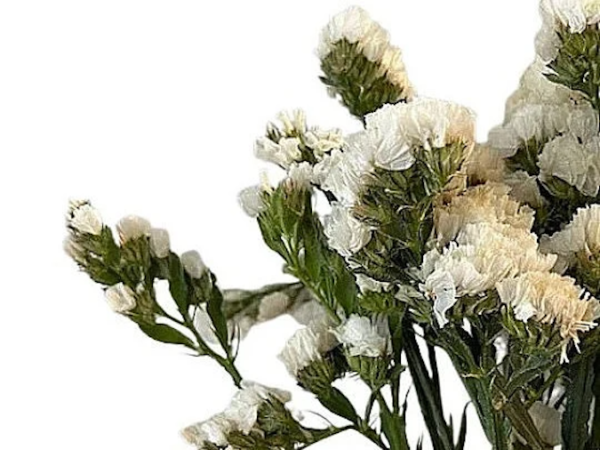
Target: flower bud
point(121, 298)
point(84, 218)
point(160, 243)
point(133, 227)
point(193, 264)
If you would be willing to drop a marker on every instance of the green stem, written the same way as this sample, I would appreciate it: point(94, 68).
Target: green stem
point(393, 426)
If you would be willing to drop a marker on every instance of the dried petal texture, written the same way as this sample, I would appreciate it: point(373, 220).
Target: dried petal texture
point(346, 234)
point(356, 26)
point(489, 203)
point(364, 336)
point(305, 347)
point(84, 218)
point(576, 163)
point(552, 299)
point(121, 298)
point(133, 227)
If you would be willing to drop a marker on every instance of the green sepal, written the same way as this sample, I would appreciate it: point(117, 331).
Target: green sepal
point(167, 335)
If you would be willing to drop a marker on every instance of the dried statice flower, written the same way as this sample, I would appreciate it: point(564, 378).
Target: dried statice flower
point(552, 299)
point(364, 336)
point(133, 227)
point(121, 298)
point(251, 200)
point(347, 235)
point(524, 188)
point(193, 264)
point(272, 306)
point(368, 284)
point(490, 203)
point(305, 347)
point(84, 218)
point(574, 162)
point(574, 14)
point(580, 236)
point(160, 243)
point(484, 164)
point(355, 26)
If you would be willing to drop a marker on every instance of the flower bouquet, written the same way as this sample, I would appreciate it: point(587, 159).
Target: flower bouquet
point(428, 241)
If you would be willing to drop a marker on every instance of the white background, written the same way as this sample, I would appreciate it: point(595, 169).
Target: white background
point(151, 107)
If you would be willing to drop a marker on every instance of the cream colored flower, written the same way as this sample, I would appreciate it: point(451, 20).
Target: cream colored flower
point(160, 243)
point(576, 163)
point(301, 174)
point(524, 188)
point(346, 234)
point(121, 298)
point(552, 299)
point(193, 264)
point(305, 347)
point(84, 218)
point(575, 14)
point(364, 336)
point(356, 26)
point(133, 227)
point(580, 236)
point(490, 203)
point(485, 164)
point(251, 200)
point(439, 286)
point(368, 284)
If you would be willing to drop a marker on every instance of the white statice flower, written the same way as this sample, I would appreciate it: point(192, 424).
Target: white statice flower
point(322, 142)
point(241, 415)
point(574, 14)
point(536, 89)
point(121, 298)
point(580, 236)
point(490, 203)
point(133, 227)
point(160, 243)
point(482, 255)
point(501, 346)
point(313, 315)
point(552, 299)
point(440, 287)
point(204, 326)
point(251, 200)
point(355, 26)
point(291, 123)
point(272, 306)
point(301, 174)
point(193, 264)
point(368, 284)
point(424, 123)
point(323, 168)
point(484, 164)
point(305, 347)
point(548, 421)
point(346, 234)
point(576, 163)
point(84, 218)
point(282, 153)
point(364, 336)
point(524, 188)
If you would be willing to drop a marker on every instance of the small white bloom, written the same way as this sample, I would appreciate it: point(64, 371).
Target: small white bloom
point(573, 162)
point(272, 306)
point(283, 153)
point(501, 347)
point(323, 168)
point(214, 431)
point(203, 324)
point(85, 218)
point(439, 286)
point(120, 298)
point(160, 242)
point(301, 175)
point(575, 14)
point(363, 336)
point(524, 188)
point(133, 227)
point(251, 200)
point(323, 141)
point(193, 264)
point(293, 123)
point(347, 235)
point(304, 348)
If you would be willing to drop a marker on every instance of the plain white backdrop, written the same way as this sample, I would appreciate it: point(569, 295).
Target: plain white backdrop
point(151, 107)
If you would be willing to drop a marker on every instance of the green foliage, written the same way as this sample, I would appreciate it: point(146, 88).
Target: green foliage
point(361, 85)
point(291, 228)
point(577, 65)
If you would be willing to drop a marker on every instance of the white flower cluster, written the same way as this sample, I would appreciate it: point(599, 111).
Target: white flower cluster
point(577, 15)
point(482, 255)
point(306, 346)
point(365, 336)
point(488, 203)
point(356, 26)
point(551, 298)
point(580, 236)
point(241, 415)
point(84, 218)
point(575, 162)
point(284, 141)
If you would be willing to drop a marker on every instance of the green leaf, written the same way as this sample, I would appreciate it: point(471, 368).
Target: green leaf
point(177, 283)
point(579, 399)
point(336, 402)
point(215, 312)
point(462, 435)
point(166, 334)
